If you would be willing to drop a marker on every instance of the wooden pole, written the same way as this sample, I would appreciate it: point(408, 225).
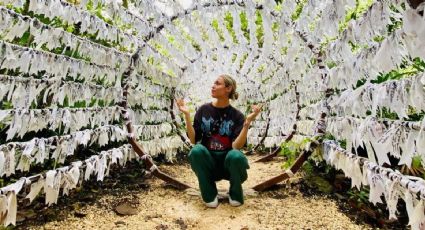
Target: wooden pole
point(320, 130)
point(288, 174)
point(147, 160)
point(291, 135)
point(252, 151)
point(276, 151)
point(283, 176)
point(173, 117)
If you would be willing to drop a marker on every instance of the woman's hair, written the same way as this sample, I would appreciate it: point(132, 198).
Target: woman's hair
point(229, 81)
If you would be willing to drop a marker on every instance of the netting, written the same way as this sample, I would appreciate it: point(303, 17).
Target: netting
point(61, 85)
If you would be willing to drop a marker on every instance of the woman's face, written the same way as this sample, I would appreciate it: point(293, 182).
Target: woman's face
point(219, 89)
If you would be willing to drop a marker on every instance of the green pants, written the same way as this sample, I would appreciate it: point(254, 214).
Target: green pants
point(212, 166)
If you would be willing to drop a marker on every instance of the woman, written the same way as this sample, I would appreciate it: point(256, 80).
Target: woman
point(218, 132)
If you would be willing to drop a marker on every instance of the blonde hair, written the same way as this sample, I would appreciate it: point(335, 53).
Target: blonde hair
point(229, 81)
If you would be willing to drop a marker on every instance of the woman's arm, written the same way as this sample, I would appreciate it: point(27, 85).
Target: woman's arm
point(189, 126)
point(239, 142)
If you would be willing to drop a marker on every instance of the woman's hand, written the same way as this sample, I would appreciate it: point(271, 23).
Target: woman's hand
point(240, 141)
point(256, 109)
point(190, 131)
point(182, 107)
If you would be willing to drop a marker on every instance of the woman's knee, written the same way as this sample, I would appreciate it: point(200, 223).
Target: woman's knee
point(198, 151)
point(236, 158)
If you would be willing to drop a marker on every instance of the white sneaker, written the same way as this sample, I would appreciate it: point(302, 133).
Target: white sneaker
point(234, 203)
point(212, 204)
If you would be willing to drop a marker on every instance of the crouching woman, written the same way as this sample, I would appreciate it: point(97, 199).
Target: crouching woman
point(219, 131)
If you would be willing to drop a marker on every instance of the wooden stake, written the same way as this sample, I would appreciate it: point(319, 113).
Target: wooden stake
point(147, 160)
point(286, 175)
point(276, 151)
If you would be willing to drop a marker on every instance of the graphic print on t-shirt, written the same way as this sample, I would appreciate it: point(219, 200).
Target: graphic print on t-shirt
point(219, 143)
point(225, 128)
point(206, 124)
point(218, 140)
point(217, 128)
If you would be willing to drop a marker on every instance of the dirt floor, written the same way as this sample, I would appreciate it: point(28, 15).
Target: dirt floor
point(159, 206)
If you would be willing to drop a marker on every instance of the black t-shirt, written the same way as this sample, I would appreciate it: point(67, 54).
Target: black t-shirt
point(217, 128)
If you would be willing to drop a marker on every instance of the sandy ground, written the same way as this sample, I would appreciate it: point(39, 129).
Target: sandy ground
point(162, 207)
